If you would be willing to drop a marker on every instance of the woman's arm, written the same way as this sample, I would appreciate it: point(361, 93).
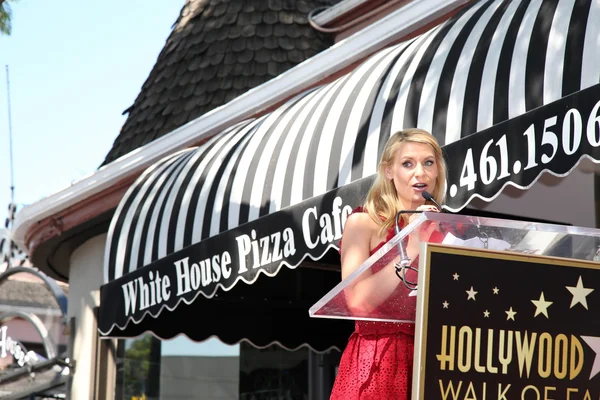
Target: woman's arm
point(369, 290)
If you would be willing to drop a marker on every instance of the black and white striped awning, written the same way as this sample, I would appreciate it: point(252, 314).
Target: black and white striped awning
point(275, 190)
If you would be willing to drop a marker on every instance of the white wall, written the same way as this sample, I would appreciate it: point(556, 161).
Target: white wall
point(566, 200)
point(85, 276)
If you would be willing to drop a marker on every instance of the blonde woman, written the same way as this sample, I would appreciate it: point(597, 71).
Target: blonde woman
point(377, 362)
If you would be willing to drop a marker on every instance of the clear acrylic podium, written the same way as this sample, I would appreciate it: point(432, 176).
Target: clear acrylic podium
point(567, 242)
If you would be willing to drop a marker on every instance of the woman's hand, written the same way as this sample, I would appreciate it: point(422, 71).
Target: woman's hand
point(424, 207)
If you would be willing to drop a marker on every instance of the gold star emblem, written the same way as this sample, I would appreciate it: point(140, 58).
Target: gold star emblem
point(455, 276)
point(486, 314)
point(445, 304)
point(496, 290)
point(471, 294)
point(510, 314)
point(541, 306)
point(579, 294)
point(594, 343)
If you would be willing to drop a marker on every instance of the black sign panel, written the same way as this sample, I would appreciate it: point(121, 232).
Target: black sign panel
point(507, 326)
point(553, 137)
point(263, 246)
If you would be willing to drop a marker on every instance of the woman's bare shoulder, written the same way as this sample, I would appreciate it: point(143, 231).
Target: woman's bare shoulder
point(361, 224)
point(359, 233)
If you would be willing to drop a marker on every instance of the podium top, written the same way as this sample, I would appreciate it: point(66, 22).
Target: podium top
point(562, 241)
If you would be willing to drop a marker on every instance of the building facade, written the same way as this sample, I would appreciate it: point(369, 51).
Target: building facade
point(223, 222)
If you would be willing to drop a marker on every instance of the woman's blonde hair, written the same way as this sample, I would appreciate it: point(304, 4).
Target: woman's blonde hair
point(382, 200)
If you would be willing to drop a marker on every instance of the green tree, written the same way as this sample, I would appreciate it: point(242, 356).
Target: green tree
point(137, 366)
point(5, 16)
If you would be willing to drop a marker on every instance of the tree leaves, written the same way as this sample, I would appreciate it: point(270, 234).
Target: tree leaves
point(5, 17)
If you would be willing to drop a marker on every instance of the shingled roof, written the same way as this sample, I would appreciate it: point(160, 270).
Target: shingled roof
point(19, 293)
point(218, 50)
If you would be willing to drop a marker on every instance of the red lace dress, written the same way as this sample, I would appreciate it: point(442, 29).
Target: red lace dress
point(378, 360)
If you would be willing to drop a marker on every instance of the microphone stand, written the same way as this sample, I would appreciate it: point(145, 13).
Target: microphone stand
point(404, 258)
point(404, 263)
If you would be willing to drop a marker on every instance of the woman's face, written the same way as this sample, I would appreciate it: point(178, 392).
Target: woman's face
point(413, 170)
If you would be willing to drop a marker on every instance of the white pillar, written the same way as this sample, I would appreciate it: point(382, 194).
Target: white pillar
point(85, 278)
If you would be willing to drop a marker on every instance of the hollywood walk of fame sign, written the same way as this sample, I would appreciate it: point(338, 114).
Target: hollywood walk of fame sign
point(505, 325)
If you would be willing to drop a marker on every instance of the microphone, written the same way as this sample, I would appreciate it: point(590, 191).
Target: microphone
point(427, 196)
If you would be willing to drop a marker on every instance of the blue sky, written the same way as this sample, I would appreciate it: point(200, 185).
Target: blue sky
point(74, 67)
